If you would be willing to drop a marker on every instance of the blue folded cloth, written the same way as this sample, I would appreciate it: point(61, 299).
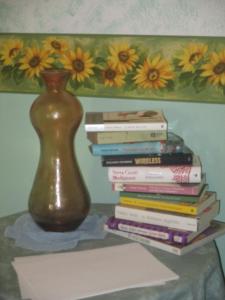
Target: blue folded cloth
point(27, 234)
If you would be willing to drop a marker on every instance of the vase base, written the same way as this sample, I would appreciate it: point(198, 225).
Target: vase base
point(57, 227)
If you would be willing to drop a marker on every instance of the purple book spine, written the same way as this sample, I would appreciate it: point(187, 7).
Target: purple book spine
point(149, 230)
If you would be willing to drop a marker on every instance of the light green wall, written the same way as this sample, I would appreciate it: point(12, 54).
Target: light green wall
point(201, 125)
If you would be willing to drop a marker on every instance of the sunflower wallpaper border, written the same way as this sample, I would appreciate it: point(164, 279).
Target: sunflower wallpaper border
point(174, 68)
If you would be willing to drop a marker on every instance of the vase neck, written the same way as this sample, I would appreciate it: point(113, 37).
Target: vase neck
point(55, 80)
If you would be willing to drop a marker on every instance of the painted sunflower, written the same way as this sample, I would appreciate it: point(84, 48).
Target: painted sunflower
point(191, 56)
point(154, 73)
point(112, 77)
point(122, 57)
point(79, 63)
point(10, 51)
point(55, 45)
point(215, 69)
point(34, 61)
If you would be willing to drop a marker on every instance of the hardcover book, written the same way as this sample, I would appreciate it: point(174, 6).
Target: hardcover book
point(205, 200)
point(175, 173)
point(155, 231)
point(125, 120)
point(193, 189)
point(109, 137)
point(170, 219)
point(215, 230)
point(165, 159)
point(174, 144)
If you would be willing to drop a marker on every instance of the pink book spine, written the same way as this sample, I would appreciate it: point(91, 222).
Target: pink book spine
point(154, 188)
point(172, 174)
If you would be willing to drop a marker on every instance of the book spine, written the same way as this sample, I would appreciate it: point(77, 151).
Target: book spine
point(127, 148)
point(156, 188)
point(144, 240)
point(156, 218)
point(126, 126)
point(213, 231)
point(185, 237)
point(173, 220)
point(160, 205)
point(126, 136)
point(148, 160)
point(159, 232)
point(162, 197)
point(169, 174)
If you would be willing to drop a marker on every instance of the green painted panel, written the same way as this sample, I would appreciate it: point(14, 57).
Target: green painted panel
point(172, 68)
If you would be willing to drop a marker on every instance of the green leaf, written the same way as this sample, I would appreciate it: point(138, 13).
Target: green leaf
point(130, 86)
point(141, 59)
point(18, 75)
point(130, 76)
point(176, 61)
point(186, 76)
point(185, 79)
point(7, 72)
point(100, 60)
point(75, 84)
point(89, 84)
point(98, 73)
point(58, 65)
point(224, 90)
point(199, 83)
point(40, 81)
point(170, 85)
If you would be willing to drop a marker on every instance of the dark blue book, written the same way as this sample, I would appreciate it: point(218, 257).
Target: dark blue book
point(173, 158)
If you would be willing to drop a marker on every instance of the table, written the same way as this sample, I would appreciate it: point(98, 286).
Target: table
point(200, 271)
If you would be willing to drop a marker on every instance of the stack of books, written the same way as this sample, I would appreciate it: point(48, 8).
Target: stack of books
point(164, 199)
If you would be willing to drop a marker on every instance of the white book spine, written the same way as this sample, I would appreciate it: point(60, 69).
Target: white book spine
point(145, 240)
point(188, 223)
point(178, 250)
point(156, 174)
point(142, 231)
point(161, 126)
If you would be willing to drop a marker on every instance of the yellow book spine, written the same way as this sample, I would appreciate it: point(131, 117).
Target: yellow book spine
point(161, 205)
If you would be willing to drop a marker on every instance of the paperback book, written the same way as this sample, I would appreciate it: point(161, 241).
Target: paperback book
point(155, 231)
point(174, 144)
point(164, 159)
point(170, 174)
point(127, 120)
point(174, 198)
point(215, 230)
point(170, 219)
point(180, 207)
point(109, 137)
point(193, 189)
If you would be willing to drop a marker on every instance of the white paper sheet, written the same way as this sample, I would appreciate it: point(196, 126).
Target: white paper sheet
point(81, 274)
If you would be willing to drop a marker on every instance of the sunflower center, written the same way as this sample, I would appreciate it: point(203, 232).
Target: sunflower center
point(123, 56)
point(56, 45)
point(194, 58)
point(219, 68)
point(153, 74)
point(35, 61)
point(110, 74)
point(12, 52)
point(78, 65)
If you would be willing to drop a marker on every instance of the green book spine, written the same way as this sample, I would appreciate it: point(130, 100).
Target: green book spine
point(164, 197)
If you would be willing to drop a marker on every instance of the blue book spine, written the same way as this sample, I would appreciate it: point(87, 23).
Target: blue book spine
point(126, 148)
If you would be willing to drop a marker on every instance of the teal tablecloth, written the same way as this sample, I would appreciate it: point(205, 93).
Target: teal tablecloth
point(200, 271)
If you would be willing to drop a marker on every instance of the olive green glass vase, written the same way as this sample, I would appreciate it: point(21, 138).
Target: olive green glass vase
point(59, 200)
